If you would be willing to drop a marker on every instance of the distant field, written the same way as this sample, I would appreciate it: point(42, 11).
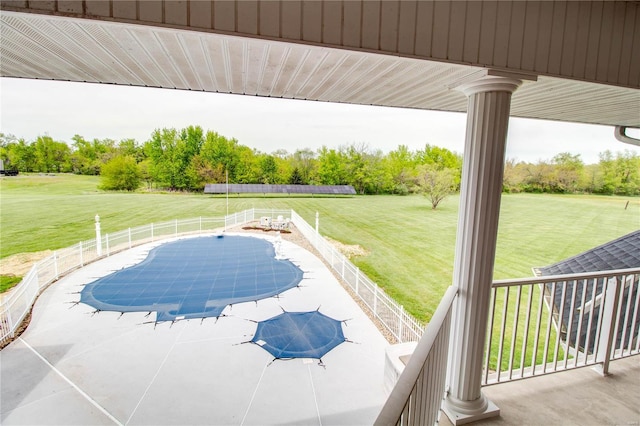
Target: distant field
point(411, 246)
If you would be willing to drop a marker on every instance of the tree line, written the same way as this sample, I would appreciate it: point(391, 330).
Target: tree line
point(187, 159)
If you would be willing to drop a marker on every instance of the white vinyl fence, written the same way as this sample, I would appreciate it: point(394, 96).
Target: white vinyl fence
point(17, 304)
point(403, 326)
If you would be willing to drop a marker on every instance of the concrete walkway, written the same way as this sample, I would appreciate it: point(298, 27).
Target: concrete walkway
point(73, 366)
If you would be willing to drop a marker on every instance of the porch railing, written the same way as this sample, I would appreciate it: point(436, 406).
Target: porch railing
point(547, 324)
point(420, 389)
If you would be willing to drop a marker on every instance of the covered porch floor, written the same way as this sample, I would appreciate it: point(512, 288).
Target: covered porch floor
point(573, 397)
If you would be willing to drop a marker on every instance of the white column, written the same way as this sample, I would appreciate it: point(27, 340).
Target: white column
point(489, 101)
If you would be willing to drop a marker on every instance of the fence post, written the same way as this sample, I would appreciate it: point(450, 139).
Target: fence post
point(81, 254)
point(98, 237)
point(106, 240)
point(10, 324)
point(607, 336)
point(375, 300)
point(55, 264)
point(129, 237)
point(317, 228)
point(400, 321)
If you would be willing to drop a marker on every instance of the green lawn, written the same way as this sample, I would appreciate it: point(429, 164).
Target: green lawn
point(411, 246)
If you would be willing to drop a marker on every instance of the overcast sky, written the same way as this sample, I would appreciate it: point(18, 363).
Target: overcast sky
point(30, 108)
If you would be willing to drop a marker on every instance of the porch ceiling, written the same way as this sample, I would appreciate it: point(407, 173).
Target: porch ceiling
point(61, 48)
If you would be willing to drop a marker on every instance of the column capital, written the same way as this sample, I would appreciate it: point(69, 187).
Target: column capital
point(490, 83)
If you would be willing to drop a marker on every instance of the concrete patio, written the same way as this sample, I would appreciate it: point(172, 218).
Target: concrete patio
point(73, 366)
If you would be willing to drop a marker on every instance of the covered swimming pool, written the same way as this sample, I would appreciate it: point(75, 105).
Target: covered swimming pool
point(195, 278)
point(75, 366)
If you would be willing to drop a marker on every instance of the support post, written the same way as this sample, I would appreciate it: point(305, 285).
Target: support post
point(607, 335)
point(98, 237)
point(489, 101)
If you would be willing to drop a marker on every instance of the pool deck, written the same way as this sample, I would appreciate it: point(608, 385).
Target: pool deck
point(72, 366)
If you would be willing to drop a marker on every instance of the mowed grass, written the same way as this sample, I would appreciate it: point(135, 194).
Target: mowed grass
point(411, 247)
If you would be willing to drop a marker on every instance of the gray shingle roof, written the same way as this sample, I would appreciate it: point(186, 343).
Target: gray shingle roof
point(622, 253)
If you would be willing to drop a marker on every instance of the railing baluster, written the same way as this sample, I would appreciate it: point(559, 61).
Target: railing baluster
point(574, 288)
point(625, 323)
point(620, 282)
point(534, 356)
point(549, 327)
point(556, 347)
point(635, 330)
point(492, 311)
point(503, 324)
point(594, 288)
point(525, 339)
point(514, 333)
point(580, 321)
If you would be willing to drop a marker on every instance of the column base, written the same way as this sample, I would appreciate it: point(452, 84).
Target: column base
point(458, 415)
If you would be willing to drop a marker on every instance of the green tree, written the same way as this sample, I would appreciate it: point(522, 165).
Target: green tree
point(305, 161)
point(331, 167)
point(620, 174)
point(435, 183)
point(221, 153)
point(169, 157)
point(248, 168)
point(131, 148)
point(268, 169)
point(566, 173)
point(398, 170)
point(51, 156)
point(514, 176)
point(441, 158)
point(20, 155)
point(145, 172)
point(121, 173)
point(296, 177)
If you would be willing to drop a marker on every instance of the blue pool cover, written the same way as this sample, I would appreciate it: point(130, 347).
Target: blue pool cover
point(299, 335)
point(195, 278)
